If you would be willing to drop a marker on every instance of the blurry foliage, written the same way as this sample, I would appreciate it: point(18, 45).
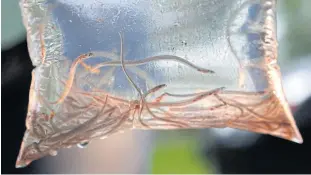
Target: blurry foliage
point(297, 18)
point(12, 28)
point(178, 157)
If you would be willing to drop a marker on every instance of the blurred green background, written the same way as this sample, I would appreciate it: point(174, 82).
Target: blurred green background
point(295, 20)
point(12, 28)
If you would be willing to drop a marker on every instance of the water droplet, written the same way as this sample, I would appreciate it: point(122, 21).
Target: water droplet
point(104, 137)
point(53, 152)
point(21, 165)
point(83, 144)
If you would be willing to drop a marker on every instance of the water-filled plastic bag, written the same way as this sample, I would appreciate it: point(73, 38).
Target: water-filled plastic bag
point(104, 66)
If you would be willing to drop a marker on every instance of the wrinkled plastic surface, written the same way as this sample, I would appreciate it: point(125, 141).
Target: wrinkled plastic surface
point(103, 66)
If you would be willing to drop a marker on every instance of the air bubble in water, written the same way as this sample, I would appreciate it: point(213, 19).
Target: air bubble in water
point(104, 137)
point(53, 153)
point(83, 144)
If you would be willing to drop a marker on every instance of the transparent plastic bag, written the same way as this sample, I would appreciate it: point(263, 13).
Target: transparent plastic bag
point(107, 66)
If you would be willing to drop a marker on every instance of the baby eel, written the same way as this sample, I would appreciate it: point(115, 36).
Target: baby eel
point(143, 102)
point(72, 72)
point(151, 59)
point(95, 69)
point(198, 97)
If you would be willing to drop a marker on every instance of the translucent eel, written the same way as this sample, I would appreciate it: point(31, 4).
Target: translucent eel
point(114, 57)
point(72, 75)
point(142, 102)
point(151, 59)
point(83, 57)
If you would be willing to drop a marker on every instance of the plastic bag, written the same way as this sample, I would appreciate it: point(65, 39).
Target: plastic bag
point(107, 66)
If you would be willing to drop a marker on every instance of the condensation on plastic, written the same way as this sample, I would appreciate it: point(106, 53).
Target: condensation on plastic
point(103, 66)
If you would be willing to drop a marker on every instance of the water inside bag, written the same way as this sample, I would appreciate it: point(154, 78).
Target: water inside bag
point(104, 66)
